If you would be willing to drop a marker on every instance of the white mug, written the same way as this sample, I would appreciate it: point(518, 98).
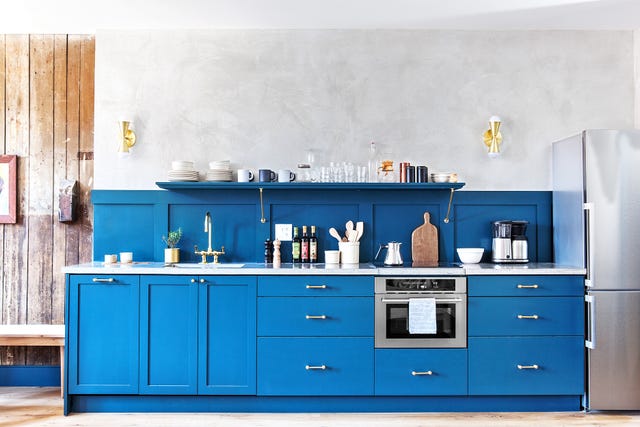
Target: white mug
point(245, 175)
point(126, 257)
point(285, 175)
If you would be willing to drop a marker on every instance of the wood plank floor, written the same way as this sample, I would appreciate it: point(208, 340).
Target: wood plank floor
point(33, 406)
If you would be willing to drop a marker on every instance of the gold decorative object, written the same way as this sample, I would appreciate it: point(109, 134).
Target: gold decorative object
point(493, 137)
point(127, 138)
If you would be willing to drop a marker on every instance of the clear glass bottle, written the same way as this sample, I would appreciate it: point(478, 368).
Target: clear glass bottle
point(373, 162)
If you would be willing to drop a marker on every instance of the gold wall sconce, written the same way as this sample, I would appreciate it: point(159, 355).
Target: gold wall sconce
point(493, 137)
point(127, 138)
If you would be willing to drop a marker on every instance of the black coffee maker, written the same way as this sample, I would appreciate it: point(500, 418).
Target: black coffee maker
point(509, 241)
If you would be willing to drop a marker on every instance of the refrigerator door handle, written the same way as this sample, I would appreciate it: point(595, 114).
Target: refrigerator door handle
point(590, 341)
point(590, 219)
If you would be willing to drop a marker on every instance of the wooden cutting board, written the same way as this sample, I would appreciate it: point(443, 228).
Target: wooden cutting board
point(424, 243)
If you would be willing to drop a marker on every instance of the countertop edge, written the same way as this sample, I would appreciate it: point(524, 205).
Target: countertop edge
point(253, 269)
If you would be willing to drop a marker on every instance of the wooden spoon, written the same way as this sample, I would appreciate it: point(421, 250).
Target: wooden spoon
point(334, 233)
point(349, 229)
point(359, 230)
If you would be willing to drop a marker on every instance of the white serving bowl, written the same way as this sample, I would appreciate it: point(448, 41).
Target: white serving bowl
point(470, 255)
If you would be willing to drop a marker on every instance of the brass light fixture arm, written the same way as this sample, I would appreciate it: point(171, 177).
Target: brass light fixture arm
point(262, 218)
point(446, 218)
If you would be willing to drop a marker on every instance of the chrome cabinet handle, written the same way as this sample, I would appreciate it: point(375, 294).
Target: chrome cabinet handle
point(316, 286)
point(312, 367)
point(320, 317)
point(524, 316)
point(527, 286)
point(101, 280)
point(415, 373)
point(528, 367)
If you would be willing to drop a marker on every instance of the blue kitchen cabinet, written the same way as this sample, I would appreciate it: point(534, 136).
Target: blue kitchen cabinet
point(420, 372)
point(168, 334)
point(227, 335)
point(103, 334)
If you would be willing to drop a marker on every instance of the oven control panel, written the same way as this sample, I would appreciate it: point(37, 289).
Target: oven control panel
point(420, 284)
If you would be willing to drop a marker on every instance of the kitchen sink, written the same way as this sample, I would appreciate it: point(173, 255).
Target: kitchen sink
point(208, 265)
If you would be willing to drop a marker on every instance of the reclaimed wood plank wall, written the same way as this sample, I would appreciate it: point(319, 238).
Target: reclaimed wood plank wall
point(46, 118)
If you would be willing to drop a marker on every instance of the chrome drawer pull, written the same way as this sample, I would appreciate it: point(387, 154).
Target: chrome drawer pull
point(316, 286)
point(311, 367)
point(522, 316)
point(414, 373)
point(528, 367)
point(321, 317)
point(98, 279)
point(527, 286)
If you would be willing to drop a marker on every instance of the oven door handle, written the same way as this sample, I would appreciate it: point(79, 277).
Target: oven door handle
point(407, 299)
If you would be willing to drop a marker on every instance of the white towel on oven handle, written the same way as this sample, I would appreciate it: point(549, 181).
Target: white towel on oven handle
point(422, 316)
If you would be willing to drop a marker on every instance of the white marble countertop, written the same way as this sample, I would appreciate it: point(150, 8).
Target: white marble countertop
point(321, 269)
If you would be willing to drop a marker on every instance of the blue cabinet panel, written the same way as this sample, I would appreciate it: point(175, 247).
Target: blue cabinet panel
point(315, 286)
point(227, 335)
point(420, 372)
point(168, 332)
point(124, 227)
point(103, 334)
point(233, 226)
point(493, 366)
point(491, 316)
point(315, 316)
point(526, 286)
point(315, 366)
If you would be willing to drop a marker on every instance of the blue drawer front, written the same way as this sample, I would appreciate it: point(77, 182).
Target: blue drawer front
point(287, 316)
point(499, 316)
point(529, 286)
point(348, 366)
point(493, 366)
point(315, 286)
point(395, 370)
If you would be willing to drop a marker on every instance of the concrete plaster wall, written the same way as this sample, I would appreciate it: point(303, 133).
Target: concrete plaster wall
point(260, 98)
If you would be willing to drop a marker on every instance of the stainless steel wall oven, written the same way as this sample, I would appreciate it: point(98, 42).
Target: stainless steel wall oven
point(392, 295)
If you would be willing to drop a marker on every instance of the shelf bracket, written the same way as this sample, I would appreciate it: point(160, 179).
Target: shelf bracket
point(262, 218)
point(446, 218)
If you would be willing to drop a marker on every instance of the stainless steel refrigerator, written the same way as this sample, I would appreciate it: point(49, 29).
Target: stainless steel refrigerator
point(596, 224)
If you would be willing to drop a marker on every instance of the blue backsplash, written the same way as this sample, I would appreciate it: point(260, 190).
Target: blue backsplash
point(136, 220)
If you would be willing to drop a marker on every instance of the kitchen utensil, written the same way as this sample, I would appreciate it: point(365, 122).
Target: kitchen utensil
point(393, 256)
point(424, 243)
point(359, 230)
point(334, 233)
point(348, 227)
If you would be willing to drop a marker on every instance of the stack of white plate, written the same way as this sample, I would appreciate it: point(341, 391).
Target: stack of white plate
point(219, 171)
point(444, 177)
point(182, 170)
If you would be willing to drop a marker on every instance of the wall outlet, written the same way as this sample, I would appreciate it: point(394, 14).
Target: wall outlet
point(284, 232)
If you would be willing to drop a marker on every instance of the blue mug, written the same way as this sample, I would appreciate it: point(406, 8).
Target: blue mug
point(266, 175)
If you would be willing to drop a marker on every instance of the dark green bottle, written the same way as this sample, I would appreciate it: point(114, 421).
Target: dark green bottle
point(295, 246)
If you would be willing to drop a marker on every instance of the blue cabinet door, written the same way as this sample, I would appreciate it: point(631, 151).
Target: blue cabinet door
point(168, 335)
point(315, 366)
point(227, 335)
point(421, 372)
point(103, 334)
point(526, 365)
point(315, 316)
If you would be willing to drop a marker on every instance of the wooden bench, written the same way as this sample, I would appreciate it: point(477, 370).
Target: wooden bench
point(35, 335)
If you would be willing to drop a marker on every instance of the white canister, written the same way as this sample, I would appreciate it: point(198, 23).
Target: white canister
point(332, 257)
point(349, 252)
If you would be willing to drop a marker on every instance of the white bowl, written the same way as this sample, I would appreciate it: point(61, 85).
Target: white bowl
point(470, 255)
point(182, 165)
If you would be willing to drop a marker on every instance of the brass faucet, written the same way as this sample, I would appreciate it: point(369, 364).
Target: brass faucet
point(209, 251)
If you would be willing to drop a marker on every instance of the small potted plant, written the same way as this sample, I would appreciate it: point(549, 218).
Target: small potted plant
point(171, 253)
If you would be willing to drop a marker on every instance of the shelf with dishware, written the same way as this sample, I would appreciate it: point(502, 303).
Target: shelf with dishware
point(208, 185)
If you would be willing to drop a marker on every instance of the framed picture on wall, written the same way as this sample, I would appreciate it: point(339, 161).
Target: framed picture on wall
point(8, 184)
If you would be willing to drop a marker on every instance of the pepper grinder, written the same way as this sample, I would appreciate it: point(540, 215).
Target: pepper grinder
point(268, 251)
point(276, 253)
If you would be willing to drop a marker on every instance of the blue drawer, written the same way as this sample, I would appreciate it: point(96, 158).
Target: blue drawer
point(493, 366)
point(495, 316)
point(286, 366)
point(313, 316)
point(421, 372)
point(529, 286)
point(315, 286)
